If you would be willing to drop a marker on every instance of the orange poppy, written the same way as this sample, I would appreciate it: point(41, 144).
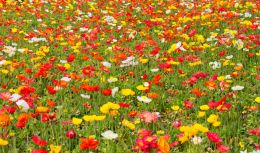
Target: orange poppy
point(4, 120)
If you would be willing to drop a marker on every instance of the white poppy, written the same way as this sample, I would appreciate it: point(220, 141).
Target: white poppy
point(114, 90)
point(106, 64)
point(229, 57)
point(109, 135)
point(146, 84)
point(237, 88)
point(85, 96)
point(247, 15)
point(66, 79)
point(10, 50)
point(228, 77)
point(144, 99)
point(63, 61)
point(15, 97)
point(196, 140)
point(130, 61)
point(154, 70)
point(112, 79)
point(22, 104)
point(215, 65)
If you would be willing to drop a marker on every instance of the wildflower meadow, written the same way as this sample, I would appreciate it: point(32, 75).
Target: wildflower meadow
point(125, 76)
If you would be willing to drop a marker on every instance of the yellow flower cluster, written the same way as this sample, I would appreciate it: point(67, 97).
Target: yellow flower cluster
point(76, 121)
point(214, 120)
point(127, 92)
point(55, 149)
point(190, 131)
point(3, 142)
point(128, 124)
point(91, 118)
point(141, 87)
point(109, 108)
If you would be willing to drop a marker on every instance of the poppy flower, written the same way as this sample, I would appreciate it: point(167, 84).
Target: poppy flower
point(4, 120)
point(38, 141)
point(132, 113)
point(214, 137)
point(222, 148)
point(163, 145)
point(71, 134)
point(255, 132)
point(5, 95)
point(71, 58)
point(88, 143)
point(107, 92)
point(125, 105)
point(39, 151)
point(51, 90)
point(188, 104)
point(3, 142)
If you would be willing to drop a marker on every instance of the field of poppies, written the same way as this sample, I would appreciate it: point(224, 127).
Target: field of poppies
point(123, 76)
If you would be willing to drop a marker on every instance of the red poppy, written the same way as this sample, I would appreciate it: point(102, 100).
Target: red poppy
point(188, 104)
point(51, 90)
point(222, 53)
point(45, 117)
point(88, 71)
point(89, 88)
point(20, 124)
point(121, 104)
point(216, 104)
point(51, 103)
point(176, 124)
point(71, 58)
point(107, 92)
point(174, 144)
point(132, 113)
point(222, 148)
point(38, 141)
point(255, 132)
point(71, 134)
point(88, 143)
point(10, 109)
point(192, 33)
point(214, 137)
point(157, 79)
point(39, 151)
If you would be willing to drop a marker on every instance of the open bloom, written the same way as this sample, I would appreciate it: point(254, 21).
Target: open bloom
point(4, 120)
point(3, 142)
point(127, 92)
point(144, 99)
point(109, 135)
point(215, 65)
point(38, 141)
point(109, 108)
point(23, 105)
point(148, 117)
point(214, 137)
point(196, 140)
point(76, 121)
point(237, 88)
point(55, 149)
point(88, 143)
